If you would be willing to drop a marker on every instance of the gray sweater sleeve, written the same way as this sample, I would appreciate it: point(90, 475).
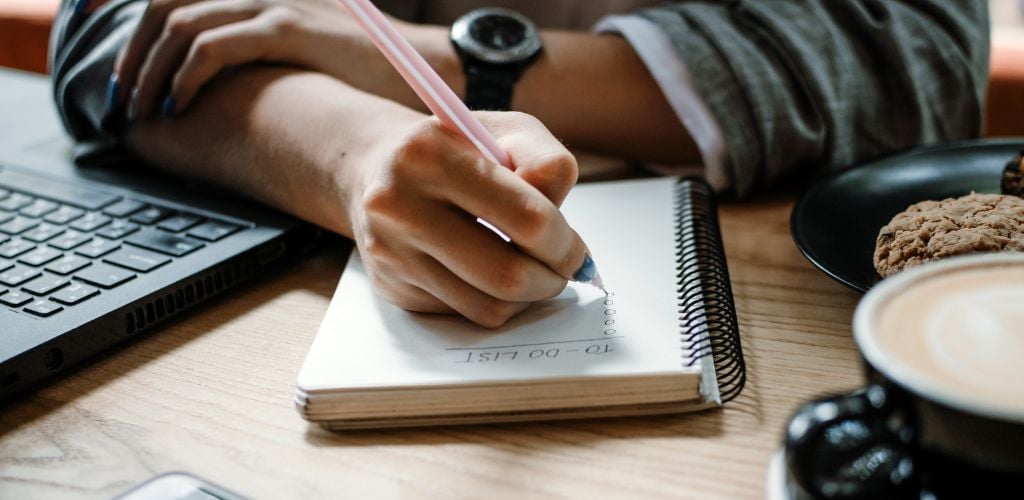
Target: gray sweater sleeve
point(83, 47)
point(794, 84)
point(821, 84)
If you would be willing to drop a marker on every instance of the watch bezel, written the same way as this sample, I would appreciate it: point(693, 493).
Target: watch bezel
point(523, 51)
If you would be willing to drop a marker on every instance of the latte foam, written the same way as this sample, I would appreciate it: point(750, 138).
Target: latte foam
point(962, 331)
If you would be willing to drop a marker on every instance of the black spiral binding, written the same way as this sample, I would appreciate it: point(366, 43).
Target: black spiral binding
point(706, 308)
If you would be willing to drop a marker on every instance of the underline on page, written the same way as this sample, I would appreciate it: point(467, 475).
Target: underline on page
point(528, 345)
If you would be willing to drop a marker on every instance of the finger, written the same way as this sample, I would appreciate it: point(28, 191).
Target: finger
point(522, 212)
point(217, 49)
point(480, 308)
point(181, 29)
point(415, 299)
point(132, 56)
point(540, 159)
point(479, 257)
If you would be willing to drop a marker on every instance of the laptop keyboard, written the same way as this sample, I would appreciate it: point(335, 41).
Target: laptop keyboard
point(61, 246)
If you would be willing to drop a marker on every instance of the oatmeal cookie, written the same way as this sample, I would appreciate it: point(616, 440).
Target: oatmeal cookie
point(932, 230)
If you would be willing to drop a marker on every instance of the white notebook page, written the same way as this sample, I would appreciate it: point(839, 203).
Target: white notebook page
point(365, 342)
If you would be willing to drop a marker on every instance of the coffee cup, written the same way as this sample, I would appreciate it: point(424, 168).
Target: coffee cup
point(942, 412)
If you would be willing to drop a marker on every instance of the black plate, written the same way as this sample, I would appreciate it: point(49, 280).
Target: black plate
point(836, 222)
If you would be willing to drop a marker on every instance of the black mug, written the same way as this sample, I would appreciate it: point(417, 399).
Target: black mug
point(902, 435)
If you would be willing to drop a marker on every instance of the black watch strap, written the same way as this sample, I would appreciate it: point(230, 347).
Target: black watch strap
point(489, 87)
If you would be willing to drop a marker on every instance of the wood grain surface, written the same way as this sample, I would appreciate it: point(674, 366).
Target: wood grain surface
point(212, 394)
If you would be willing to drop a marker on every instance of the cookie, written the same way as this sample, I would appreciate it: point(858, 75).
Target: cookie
point(932, 230)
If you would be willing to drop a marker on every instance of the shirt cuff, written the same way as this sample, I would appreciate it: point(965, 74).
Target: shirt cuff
point(670, 73)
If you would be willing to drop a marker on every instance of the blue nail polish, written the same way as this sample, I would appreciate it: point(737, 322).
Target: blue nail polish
point(113, 93)
point(80, 6)
point(168, 107)
point(586, 272)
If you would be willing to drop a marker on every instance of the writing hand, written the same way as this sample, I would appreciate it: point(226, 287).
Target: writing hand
point(414, 219)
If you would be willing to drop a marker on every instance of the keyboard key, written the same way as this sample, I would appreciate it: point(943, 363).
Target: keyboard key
point(44, 308)
point(15, 202)
point(124, 208)
point(67, 264)
point(16, 298)
point(152, 215)
point(179, 223)
point(4, 193)
point(90, 222)
point(18, 275)
point(39, 208)
point(57, 191)
point(118, 229)
point(165, 243)
point(105, 276)
point(64, 215)
point(213, 230)
point(43, 232)
point(69, 240)
point(98, 247)
point(5, 216)
point(18, 225)
point(136, 259)
point(45, 284)
point(14, 248)
point(39, 256)
point(4, 265)
point(74, 293)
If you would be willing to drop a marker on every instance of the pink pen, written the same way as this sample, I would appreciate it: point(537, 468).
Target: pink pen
point(439, 98)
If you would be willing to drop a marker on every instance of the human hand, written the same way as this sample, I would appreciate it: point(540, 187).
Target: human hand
point(180, 45)
point(414, 210)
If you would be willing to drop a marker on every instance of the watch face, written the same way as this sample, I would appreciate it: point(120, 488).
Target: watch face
point(497, 32)
point(496, 35)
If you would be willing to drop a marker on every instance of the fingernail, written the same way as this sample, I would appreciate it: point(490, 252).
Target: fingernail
point(133, 105)
point(80, 6)
point(113, 91)
point(168, 107)
point(587, 270)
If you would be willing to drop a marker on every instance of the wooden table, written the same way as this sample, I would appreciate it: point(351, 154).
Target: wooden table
point(212, 394)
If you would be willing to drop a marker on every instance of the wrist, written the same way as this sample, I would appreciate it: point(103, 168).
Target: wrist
point(379, 137)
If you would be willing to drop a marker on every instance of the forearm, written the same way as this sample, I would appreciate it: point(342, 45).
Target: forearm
point(288, 138)
point(592, 91)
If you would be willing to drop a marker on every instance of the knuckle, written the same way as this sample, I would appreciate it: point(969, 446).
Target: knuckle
point(179, 24)
point(412, 152)
point(510, 280)
point(205, 47)
point(534, 221)
point(496, 313)
point(284, 21)
point(383, 256)
point(383, 202)
point(560, 169)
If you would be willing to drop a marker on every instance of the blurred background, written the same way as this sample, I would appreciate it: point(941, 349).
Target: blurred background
point(25, 29)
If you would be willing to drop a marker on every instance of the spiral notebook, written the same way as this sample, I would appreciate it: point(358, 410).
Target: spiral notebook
point(664, 339)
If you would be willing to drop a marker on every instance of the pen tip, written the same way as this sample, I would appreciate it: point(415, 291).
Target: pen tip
point(598, 282)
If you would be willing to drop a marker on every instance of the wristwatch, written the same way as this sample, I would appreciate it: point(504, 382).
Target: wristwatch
point(495, 46)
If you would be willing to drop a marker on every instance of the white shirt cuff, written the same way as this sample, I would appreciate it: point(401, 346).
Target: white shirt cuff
point(656, 51)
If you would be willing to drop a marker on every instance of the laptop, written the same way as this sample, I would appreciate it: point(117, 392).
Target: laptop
point(91, 257)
